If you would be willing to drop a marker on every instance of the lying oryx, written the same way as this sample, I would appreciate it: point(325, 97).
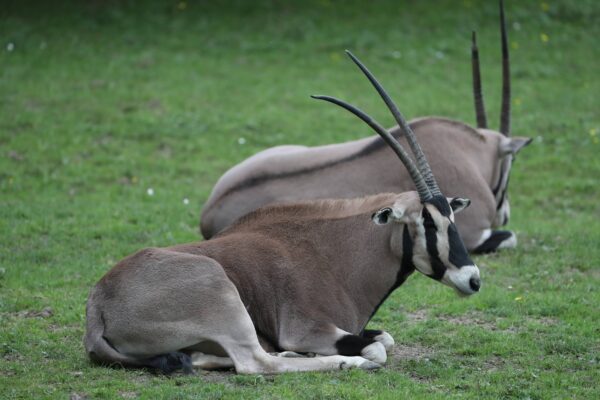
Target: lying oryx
point(467, 161)
point(305, 277)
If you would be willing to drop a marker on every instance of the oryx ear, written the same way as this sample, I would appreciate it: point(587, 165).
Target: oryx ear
point(387, 214)
point(458, 204)
point(513, 145)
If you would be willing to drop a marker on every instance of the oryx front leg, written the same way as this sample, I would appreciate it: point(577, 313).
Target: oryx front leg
point(250, 358)
point(327, 339)
point(495, 240)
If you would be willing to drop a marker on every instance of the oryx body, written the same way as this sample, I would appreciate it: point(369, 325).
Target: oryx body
point(474, 162)
point(466, 161)
point(305, 277)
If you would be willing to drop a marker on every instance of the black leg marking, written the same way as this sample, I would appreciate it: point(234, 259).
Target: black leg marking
point(371, 333)
point(492, 243)
point(352, 345)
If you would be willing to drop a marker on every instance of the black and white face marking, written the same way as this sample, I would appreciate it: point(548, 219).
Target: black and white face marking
point(442, 254)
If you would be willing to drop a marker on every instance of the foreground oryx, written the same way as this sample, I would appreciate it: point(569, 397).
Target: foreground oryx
point(305, 277)
point(466, 161)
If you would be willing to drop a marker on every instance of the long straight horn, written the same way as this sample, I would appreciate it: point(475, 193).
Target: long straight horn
point(410, 136)
point(415, 174)
point(505, 113)
point(477, 90)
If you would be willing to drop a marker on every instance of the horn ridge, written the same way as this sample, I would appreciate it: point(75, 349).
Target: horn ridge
point(477, 88)
point(505, 112)
point(422, 187)
point(422, 163)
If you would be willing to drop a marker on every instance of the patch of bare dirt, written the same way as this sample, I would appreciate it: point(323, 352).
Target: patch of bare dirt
point(13, 356)
point(417, 316)
point(472, 318)
point(547, 321)
point(44, 313)
point(216, 376)
point(412, 352)
point(493, 363)
point(129, 395)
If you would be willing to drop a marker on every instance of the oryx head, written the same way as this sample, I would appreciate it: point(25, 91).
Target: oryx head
point(508, 146)
point(425, 221)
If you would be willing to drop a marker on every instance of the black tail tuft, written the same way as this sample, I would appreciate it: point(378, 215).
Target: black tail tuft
point(171, 362)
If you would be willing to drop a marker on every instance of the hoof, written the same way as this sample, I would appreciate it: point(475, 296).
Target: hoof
point(386, 340)
point(375, 352)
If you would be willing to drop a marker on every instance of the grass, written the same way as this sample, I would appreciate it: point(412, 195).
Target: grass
point(101, 101)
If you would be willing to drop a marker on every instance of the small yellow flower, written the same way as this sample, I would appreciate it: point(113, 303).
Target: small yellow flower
point(593, 135)
point(544, 37)
point(518, 101)
point(182, 5)
point(514, 45)
point(544, 6)
point(518, 298)
point(335, 57)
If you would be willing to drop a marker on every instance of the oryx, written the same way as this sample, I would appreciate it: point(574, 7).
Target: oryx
point(467, 161)
point(303, 277)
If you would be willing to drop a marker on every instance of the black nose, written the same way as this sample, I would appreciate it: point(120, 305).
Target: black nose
point(475, 284)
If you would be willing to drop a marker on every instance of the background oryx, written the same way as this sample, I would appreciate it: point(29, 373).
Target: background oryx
point(473, 162)
point(305, 277)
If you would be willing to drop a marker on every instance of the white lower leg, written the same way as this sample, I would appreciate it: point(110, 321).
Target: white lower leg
point(292, 354)
point(254, 360)
point(208, 361)
point(324, 363)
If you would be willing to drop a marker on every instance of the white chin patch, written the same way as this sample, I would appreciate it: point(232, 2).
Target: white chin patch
point(459, 279)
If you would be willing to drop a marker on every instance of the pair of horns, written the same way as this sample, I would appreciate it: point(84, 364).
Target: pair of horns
point(421, 173)
point(477, 90)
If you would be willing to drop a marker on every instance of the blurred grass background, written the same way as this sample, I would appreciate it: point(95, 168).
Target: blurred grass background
point(101, 101)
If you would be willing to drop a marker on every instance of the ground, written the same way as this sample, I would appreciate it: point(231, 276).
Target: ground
point(117, 118)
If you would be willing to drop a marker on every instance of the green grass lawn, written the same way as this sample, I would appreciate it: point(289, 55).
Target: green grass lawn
point(101, 101)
